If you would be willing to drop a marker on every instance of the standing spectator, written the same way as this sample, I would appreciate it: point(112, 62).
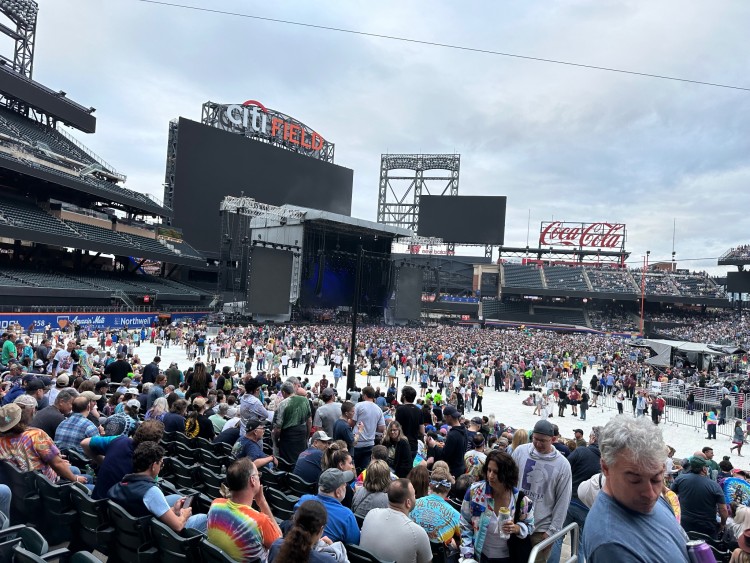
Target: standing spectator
point(327, 415)
point(545, 477)
point(585, 461)
point(234, 526)
point(156, 390)
point(292, 423)
point(433, 513)
point(480, 511)
point(371, 415)
point(631, 500)
point(455, 442)
point(251, 408)
point(711, 420)
point(700, 499)
point(409, 416)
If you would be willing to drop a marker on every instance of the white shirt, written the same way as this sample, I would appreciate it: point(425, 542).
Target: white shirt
point(406, 541)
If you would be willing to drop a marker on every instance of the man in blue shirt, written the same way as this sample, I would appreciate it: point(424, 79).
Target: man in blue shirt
point(309, 463)
point(341, 525)
point(76, 427)
point(251, 445)
point(630, 521)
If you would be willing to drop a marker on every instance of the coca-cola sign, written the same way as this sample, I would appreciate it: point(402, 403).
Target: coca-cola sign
point(582, 235)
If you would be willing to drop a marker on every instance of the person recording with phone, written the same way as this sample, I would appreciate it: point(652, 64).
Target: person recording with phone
point(139, 494)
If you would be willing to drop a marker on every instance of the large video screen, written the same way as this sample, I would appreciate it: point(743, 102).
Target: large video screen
point(270, 281)
point(212, 163)
point(738, 282)
point(463, 219)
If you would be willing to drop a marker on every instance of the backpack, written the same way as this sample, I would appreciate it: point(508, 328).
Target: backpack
point(227, 383)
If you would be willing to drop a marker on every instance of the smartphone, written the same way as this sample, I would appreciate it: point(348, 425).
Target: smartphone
point(188, 501)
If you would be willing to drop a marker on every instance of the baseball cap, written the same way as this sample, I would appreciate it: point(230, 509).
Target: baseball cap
point(253, 424)
point(332, 479)
point(477, 420)
point(577, 430)
point(134, 403)
point(697, 462)
point(10, 415)
point(28, 378)
point(62, 381)
point(327, 393)
point(39, 363)
point(35, 385)
point(451, 411)
point(91, 396)
point(544, 427)
point(25, 401)
point(321, 435)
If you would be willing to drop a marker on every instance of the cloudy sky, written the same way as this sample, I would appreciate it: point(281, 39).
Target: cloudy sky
point(564, 142)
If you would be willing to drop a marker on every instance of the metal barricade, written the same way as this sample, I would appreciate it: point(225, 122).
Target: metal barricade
point(676, 411)
point(574, 532)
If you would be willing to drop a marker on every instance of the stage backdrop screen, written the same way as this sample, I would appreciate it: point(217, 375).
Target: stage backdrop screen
point(738, 282)
point(212, 163)
point(270, 281)
point(463, 219)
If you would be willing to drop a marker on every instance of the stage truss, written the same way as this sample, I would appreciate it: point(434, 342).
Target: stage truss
point(398, 201)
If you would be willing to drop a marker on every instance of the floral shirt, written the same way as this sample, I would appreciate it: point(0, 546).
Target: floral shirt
point(30, 451)
point(475, 517)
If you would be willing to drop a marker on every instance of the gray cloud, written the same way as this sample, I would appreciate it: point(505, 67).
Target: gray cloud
point(579, 145)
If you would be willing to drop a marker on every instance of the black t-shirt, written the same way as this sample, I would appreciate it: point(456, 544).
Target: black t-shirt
point(698, 496)
point(48, 419)
point(410, 418)
point(118, 370)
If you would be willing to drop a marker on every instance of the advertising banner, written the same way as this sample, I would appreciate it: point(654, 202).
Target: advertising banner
point(94, 321)
point(606, 236)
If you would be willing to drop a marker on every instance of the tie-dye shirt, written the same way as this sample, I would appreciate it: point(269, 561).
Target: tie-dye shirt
point(30, 451)
point(241, 532)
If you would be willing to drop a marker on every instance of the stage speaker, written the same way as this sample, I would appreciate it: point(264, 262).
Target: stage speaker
point(321, 270)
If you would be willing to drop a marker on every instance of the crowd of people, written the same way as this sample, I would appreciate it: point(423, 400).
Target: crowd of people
point(410, 455)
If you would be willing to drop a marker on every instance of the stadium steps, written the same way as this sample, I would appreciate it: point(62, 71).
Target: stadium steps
point(588, 281)
point(543, 276)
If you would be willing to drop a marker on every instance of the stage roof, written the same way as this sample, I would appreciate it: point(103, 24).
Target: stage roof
point(343, 221)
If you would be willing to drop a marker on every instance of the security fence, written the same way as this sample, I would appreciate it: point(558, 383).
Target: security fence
point(677, 411)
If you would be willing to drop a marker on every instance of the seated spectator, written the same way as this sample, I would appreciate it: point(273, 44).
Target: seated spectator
point(76, 427)
point(372, 492)
point(174, 420)
point(158, 410)
point(49, 418)
point(406, 540)
point(5, 498)
point(439, 519)
point(114, 451)
point(309, 463)
point(419, 477)
point(197, 424)
point(31, 449)
point(251, 445)
point(341, 524)
point(220, 418)
point(139, 494)
point(243, 533)
point(305, 540)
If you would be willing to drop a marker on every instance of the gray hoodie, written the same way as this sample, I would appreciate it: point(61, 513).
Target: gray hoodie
point(547, 480)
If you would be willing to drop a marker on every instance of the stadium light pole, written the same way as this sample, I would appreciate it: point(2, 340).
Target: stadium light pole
point(643, 289)
point(351, 371)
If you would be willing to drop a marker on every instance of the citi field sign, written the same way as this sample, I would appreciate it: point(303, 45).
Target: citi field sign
point(257, 120)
